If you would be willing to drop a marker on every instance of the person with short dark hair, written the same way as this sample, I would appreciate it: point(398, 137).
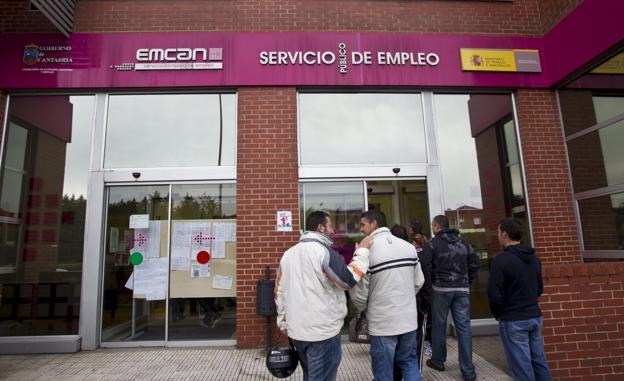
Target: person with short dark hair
point(310, 298)
point(399, 231)
point(452, 264)
point(388, 294)
point(514, 288)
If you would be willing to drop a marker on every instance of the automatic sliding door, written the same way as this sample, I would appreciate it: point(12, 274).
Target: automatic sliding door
point(135, 264)
point(203, 262)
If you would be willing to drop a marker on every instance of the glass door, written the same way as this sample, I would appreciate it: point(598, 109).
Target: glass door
point(135, 264)
point(170, 264)
point(402, 201)
point(202, 274)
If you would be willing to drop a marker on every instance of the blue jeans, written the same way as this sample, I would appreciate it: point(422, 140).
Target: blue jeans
point(524, 349)
point(459, 304)
point(319, 359)
point(400, 349)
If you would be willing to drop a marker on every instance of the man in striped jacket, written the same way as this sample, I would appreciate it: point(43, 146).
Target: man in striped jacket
point(388, 294)
point(310, 296)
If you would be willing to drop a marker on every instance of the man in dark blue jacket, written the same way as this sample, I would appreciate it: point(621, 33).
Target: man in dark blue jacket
point(450, 264)
point(514, 287)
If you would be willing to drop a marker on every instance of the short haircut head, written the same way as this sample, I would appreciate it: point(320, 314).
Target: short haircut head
point(375, 215)
point(399, 231)
point(315, 219)
point(441, 221)
point(513, 227)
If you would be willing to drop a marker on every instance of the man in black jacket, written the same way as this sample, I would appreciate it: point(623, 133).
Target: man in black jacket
point(450, 265)
point(514, 287)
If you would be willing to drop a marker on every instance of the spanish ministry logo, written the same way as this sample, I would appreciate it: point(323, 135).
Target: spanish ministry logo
point(174, 59)
point(476, 60)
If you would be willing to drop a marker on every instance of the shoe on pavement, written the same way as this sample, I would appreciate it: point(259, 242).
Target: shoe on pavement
point(470, 378)
point(428, 350)
point(431, 365)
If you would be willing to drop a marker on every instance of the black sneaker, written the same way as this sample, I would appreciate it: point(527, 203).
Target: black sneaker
point(470, 378)
point(431, 365)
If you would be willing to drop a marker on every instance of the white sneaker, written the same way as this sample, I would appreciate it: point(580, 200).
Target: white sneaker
point(428, 350)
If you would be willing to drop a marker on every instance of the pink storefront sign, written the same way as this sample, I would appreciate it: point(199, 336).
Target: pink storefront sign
point(203, 59)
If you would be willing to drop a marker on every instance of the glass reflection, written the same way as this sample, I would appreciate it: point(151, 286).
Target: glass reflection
point(132, 310)
point(170, 130)
point(334, 128)
point(42, 213)
point(481, 177)
point(602, 220)
point(199, 308)
point(597, 158)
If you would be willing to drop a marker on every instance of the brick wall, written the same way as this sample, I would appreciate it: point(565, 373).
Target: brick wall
point(267, 181)
point(520, 17)
point(16, 16)
point(547, 177)
point(583, 306)
point(553, 11)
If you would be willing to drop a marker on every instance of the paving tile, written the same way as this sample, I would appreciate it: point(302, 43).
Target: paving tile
point(223, 364)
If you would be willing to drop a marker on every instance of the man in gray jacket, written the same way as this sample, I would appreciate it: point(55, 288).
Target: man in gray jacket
point(388, 294)
point(310, 296)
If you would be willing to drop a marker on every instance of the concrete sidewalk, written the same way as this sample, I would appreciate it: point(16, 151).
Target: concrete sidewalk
point(201, 364)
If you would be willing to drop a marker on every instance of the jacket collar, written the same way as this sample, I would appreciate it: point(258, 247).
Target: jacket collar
point(314, 236)
point(379, 231)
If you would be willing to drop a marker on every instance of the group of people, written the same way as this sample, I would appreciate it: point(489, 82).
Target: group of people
point(399, 279)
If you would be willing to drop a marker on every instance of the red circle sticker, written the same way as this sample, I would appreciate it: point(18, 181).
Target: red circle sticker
point(203, 257)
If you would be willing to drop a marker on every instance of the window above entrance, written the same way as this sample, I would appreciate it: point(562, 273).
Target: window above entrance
point(170, 130)
point(352, 129)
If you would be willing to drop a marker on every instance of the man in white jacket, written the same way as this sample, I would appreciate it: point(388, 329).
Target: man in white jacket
point(310, 296)
point(388, 294)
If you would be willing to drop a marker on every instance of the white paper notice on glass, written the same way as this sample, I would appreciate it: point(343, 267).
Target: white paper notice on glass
point(153, 240)
point(200, 237)
point(200, 270)
point(150, 278)
point(130, 282)
point(156, 294)
point(147, 241)
point(180, 258)
point(219, 231)
point(230, 232)
point(222, 282)
point(139, 221)
point(284, 221)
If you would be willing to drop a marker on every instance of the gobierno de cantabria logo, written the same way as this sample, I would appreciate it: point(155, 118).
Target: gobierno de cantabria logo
point(47, 54)
point(174, 59)
point(31, 52)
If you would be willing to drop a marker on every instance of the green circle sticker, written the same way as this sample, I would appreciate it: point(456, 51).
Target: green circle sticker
point(136, 258)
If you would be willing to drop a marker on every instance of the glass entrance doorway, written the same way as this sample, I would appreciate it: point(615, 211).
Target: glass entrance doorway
point(401, 201)
point(170, 263)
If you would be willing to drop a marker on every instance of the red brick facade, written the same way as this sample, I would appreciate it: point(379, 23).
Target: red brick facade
point(547, 177)
point(583, 302)
point(520, 17)
point(267, 181)
point(583, 306)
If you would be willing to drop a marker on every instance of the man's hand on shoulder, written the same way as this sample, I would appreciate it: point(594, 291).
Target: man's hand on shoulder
point(366, 243)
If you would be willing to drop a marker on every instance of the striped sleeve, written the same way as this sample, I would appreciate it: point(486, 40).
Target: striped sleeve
point(337, 270)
